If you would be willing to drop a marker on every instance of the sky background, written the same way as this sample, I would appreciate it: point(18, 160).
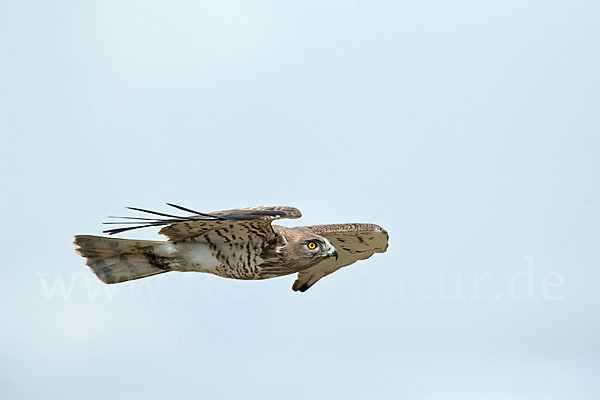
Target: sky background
point(468, 129)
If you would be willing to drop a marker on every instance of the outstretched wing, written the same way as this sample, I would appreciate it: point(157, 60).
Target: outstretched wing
point(353, 242)
point(229, 226)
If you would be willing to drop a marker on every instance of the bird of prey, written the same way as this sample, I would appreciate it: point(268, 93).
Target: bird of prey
point(237, 244)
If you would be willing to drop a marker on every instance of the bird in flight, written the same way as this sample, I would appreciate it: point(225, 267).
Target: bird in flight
point(237, 244)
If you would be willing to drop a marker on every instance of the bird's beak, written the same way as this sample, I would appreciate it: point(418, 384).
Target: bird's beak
point(333, 252)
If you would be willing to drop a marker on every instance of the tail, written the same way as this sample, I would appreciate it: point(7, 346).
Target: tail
point(119, 260)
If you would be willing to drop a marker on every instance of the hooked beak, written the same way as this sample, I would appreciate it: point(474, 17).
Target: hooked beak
point(333, 252)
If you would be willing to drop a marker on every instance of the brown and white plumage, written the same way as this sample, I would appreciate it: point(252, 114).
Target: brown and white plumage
point(238, 244)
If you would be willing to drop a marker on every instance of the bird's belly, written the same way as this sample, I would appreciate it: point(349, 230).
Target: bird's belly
point(234, 262)
point(198, 257)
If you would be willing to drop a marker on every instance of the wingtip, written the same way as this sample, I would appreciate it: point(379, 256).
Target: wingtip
point(297, 287)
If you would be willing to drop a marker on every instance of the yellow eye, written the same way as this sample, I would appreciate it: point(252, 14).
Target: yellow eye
point(312, 245)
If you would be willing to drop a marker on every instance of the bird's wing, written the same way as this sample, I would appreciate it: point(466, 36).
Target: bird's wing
point(229, 226)
point(353, 242)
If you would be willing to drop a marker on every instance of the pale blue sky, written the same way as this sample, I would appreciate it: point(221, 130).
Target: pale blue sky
point(468, 129)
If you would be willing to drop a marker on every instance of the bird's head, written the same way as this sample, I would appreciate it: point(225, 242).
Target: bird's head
point(304, 248)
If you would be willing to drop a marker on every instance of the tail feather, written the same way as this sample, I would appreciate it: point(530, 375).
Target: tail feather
point(118, 260)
